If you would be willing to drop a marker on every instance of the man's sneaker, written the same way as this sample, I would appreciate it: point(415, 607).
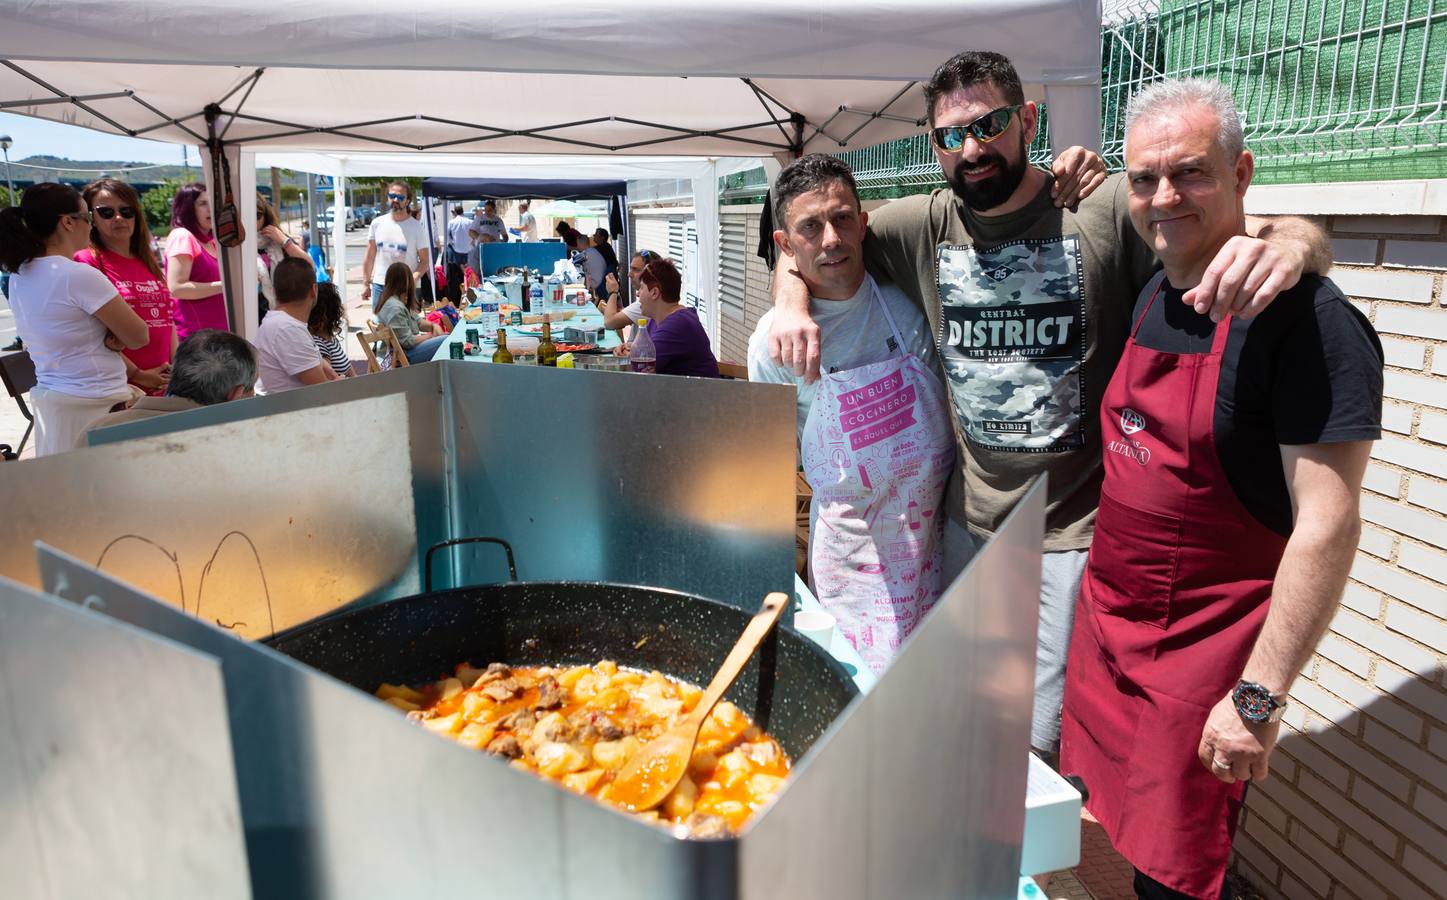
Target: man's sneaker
point(16, 344)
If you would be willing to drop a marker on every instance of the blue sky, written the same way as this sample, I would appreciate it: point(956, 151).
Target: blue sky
point(43, 137)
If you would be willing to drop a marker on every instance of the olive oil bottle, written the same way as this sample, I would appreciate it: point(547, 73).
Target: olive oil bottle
point(547, 350)
point(502, 355)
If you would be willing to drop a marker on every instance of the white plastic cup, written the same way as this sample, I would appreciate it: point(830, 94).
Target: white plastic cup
point(816, 625)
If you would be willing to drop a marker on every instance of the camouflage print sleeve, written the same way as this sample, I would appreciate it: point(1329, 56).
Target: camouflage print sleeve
point(898, 243)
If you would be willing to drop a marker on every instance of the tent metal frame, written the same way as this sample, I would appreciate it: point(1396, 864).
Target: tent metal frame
point(790, 123)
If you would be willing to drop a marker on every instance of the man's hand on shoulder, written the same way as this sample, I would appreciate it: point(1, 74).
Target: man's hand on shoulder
point(1248, 272)
point(1078, 172)
point(793, 335)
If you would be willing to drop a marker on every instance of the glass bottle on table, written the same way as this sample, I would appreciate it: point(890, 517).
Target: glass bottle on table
point(547, 350)
point(643, 357)
point(501, 355)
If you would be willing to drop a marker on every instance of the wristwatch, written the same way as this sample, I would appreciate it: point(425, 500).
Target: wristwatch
point(1256, 704)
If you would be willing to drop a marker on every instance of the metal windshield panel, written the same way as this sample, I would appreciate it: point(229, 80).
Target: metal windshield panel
point(343, 798)
point(115, 761)
point(256, 524)
point(918, 789)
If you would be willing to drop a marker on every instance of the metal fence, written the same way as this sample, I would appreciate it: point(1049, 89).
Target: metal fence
point(1329, 90)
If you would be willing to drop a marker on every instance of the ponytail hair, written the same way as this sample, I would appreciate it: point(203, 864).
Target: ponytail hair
point(24, 229)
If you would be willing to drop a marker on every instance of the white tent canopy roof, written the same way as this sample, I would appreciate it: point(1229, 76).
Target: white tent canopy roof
point(427, 165)
point(741, 78)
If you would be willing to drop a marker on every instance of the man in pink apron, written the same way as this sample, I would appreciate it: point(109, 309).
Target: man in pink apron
point(1228, 519)
point(874, 438)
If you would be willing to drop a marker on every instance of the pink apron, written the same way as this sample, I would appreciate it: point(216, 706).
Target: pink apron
point(877, 450)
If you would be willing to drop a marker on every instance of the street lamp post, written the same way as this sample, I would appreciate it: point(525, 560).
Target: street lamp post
point(9, 185)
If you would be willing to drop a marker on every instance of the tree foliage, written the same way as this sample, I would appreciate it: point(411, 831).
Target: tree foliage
point(156, 204)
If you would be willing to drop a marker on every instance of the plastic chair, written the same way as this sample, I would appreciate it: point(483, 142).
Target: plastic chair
point(18, 373)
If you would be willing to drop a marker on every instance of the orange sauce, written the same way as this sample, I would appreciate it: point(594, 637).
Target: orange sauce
point(578, 725)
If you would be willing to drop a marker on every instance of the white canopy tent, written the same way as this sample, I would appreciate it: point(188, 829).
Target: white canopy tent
point(618, 78)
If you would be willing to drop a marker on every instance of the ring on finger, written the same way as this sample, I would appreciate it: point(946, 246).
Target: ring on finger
point(1220, 766)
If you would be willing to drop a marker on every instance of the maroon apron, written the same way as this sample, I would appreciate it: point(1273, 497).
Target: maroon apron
point(1174, 594)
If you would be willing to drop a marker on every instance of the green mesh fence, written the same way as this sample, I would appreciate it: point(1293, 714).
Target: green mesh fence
point(1329, 90)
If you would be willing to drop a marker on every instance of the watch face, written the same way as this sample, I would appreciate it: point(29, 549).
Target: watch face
point(1253, 702)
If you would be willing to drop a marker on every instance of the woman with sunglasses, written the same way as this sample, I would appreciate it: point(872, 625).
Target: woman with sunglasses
point(73, 320)
point(120, 247)
point(193, 273)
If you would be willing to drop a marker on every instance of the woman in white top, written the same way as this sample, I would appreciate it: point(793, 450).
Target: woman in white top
point(272, 246)
point(73, 320)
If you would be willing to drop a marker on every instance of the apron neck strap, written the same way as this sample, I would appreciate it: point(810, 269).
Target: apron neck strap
point(1154, 294)
point(888, 316)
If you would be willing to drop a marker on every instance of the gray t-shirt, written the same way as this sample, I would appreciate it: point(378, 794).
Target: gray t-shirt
point(852, 333)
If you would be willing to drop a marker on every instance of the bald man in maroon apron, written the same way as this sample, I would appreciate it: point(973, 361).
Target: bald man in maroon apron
point(1228, 516)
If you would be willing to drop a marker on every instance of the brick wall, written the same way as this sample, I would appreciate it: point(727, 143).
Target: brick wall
point(1357, 803)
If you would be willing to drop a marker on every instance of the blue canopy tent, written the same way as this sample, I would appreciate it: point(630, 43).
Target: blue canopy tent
point(615, 192)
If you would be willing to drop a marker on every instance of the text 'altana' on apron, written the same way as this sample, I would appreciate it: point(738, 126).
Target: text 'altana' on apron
point(877, 450)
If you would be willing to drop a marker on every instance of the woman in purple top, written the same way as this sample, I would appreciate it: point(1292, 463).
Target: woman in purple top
point(678, 335)
point(192, 272)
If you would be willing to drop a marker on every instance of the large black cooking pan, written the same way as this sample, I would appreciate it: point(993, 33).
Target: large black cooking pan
point(792, 687)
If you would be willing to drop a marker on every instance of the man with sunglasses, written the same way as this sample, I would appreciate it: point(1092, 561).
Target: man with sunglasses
point(393, 238)
point(1030, 305)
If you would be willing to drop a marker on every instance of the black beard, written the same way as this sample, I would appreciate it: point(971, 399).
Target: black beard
point(988, 193)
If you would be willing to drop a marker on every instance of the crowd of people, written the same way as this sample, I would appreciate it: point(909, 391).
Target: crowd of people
point(108, 324)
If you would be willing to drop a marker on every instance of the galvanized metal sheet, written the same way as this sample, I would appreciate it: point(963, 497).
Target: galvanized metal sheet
point(115, 761)
point(255, 524)
point(918, 790)
point(684, 483)
point(342, 798)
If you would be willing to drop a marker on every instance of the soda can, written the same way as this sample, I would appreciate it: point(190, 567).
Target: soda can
point(517, 317)
point(472, 335)
point(454, 349)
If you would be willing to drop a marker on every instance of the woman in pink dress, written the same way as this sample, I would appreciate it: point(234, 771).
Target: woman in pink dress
point(120, 247)
point(193, 274)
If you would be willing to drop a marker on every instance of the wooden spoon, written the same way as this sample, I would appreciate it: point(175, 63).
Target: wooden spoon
point(655, 770)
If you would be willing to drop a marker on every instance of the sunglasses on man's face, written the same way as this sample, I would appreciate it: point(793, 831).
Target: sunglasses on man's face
point(396, 196)
point(951, 138)
point(110, 212)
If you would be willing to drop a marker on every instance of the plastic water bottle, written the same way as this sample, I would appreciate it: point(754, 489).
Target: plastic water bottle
point(537, 295)
point(643, 357)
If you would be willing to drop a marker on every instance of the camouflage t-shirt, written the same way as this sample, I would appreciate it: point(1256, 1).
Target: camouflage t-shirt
point(1030, 313)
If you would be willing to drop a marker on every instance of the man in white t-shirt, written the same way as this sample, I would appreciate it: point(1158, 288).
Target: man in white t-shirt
point(490, 226)
point(393, 238)
point(527, 222)
point(874, 444)
point(853, 329)
point(286, 356)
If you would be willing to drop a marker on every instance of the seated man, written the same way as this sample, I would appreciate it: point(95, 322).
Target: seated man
point(287, 357)
point(210, 367)
point(616, 316)
point(678, 338)
point(1228, 517)
point(873, 432)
